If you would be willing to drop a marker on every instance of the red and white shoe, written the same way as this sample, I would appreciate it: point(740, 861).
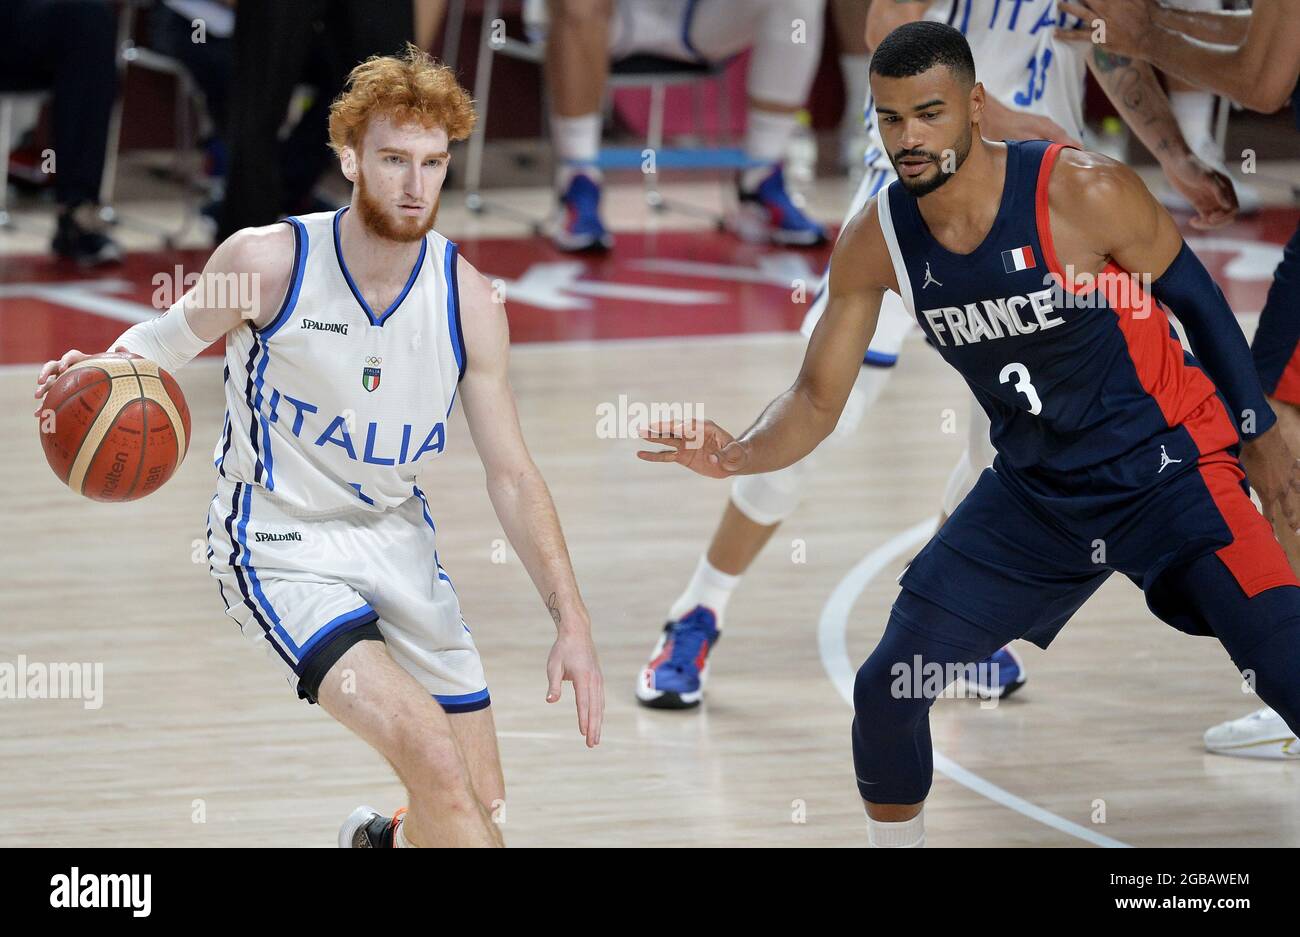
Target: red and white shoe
point(679, 665)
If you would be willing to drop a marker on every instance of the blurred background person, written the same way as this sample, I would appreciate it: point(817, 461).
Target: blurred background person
point(68, 47)
point(172, 25)
point(584, 35)
point(276, 44)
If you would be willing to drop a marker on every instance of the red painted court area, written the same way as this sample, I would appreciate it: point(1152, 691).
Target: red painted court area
point(651, 285)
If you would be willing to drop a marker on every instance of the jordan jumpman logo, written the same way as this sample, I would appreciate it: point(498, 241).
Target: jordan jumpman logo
point(929, 278)
point(1165, 461)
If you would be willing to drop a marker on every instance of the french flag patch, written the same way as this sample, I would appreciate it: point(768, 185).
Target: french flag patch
point(1022, 258)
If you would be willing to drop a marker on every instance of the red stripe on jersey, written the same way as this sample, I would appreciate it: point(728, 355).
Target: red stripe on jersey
point(1288, 385)
point(1185, 395)
point(1255, 558)
point(1186, 398)
point(1043, 217)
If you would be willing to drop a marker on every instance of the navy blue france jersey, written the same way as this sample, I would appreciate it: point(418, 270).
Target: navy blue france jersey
point(1089, 392)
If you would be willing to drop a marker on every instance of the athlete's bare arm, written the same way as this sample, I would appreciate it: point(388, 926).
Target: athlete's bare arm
point(1259, 73)
point(250, 270)
point(1222, 27)
point(1101, 210)
point(1110, 216)
point(521, 499)
point(797, 421)
point(1133, 88)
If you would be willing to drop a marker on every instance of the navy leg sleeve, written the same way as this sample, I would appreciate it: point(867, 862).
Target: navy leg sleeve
point(1261, 635)
point(1278, 333)
point(895, 688)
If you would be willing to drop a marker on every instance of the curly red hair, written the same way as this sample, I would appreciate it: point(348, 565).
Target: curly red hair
point(408, 88)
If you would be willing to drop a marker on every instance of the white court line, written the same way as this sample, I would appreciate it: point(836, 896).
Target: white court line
point(831, 630)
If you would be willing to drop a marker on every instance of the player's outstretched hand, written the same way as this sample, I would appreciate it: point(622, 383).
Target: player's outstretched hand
point(1210, 191)
point(1274, 473)
point(1118, 26)
point(699, 445)
point(573, 658)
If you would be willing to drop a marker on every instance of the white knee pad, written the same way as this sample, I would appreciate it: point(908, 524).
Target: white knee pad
point(978, 456)
point(770, 498)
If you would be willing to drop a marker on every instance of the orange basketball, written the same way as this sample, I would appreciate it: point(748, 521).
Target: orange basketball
point(114, 427)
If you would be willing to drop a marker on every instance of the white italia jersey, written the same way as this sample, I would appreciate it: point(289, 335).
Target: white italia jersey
point(334, 406)
point(1016, 59)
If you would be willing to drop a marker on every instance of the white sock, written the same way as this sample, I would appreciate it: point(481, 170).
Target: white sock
point(853, 68)
point(1194, 111)
point(577, 144)
point(399, 836)
point(709, 587)
point(905, 834)
point(767, 135)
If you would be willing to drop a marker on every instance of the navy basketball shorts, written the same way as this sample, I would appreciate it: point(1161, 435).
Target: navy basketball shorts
point(1007, 562)
point(1006, 565)
point(1276, 345)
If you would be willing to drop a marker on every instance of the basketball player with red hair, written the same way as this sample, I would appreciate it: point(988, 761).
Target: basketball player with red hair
point(340, 378)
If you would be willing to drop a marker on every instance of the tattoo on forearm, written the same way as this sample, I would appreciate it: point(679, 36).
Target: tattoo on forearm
point(1133, 86)
point(553, 608)
point(1109, 61)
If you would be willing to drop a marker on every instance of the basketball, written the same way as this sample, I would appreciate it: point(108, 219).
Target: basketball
point(115, 427)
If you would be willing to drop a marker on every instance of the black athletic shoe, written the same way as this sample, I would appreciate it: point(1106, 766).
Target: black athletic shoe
point(367, 828)
point(79, 238)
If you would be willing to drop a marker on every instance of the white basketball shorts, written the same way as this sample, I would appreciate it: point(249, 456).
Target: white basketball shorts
point(308, 588)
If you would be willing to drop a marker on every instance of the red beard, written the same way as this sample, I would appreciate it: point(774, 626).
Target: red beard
point(383, 225)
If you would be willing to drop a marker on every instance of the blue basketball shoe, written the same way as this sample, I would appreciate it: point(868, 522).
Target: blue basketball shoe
point(679, 665)
point(768, 214)
point(998, 675)
point(579, 227)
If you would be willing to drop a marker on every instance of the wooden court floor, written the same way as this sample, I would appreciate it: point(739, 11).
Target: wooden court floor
point(199, 741)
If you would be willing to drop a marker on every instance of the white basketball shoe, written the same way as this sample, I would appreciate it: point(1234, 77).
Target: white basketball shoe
point(1262, 734)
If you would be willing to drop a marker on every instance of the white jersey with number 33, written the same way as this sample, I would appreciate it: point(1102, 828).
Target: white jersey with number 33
point(333, 406)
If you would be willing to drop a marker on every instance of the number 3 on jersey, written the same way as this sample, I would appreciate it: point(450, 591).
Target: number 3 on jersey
point(1021, 374)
